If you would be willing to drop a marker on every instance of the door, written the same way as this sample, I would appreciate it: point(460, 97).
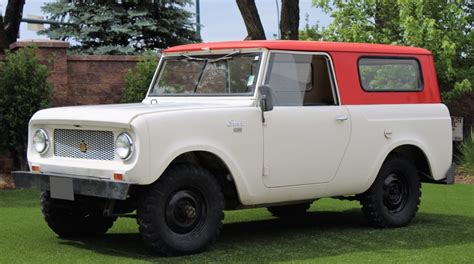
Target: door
point(307, 132)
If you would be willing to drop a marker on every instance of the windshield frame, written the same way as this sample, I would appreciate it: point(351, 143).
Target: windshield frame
point(251, 95)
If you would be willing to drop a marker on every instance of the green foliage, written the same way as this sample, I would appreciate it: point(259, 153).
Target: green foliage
point(460, 89)
point(138, 79)
point(467, 162)
point(310, 32)
point(109, 27)
point(444, 27)
point(24, 90)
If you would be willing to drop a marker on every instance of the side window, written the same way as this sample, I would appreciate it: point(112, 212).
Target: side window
point(299, 80)
point(390, 74)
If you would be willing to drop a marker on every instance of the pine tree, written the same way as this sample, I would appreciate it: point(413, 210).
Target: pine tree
point(120, 27)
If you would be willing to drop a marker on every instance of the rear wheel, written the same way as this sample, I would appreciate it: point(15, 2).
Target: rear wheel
point(393, 198)
point(289, 211)
point(182, 212)
point(70, 219)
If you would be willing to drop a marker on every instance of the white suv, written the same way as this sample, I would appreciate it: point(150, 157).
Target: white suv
point(233, 125)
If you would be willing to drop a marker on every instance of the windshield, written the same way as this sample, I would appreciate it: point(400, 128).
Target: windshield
point(222, 75)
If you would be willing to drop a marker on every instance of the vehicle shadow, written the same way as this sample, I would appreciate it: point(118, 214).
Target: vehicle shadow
point(319, 234)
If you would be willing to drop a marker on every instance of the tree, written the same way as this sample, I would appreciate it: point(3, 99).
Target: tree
point(25, 90)
point(10, 24)
point(139, 78)
point(252, 21)
point(120, 27)
point(444, 27)
point(310, 32)
point(289, 19)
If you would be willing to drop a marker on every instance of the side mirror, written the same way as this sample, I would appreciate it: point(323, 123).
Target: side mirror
point(266, 99)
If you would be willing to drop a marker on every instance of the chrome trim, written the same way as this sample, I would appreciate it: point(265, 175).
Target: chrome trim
point(130, 141)
point(46, 140)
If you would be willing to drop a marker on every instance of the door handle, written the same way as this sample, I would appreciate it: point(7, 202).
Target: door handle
point(342, 118)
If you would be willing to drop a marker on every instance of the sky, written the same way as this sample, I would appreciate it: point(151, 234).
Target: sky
point(220, 19)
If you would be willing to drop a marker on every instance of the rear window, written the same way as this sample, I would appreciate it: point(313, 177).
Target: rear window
point(390, 74)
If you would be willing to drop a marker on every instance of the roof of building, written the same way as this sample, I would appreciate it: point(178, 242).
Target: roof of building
point(298, 45)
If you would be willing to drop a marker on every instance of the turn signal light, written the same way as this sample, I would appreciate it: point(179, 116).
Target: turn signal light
point(118, 176)
point(35, 168)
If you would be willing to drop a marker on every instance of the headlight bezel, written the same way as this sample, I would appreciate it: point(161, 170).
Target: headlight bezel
point(129, 140)
point(45, 136)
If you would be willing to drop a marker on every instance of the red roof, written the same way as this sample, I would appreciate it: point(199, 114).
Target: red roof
point(301, 46)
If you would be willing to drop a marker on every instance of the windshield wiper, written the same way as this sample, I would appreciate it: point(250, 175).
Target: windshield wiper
point(200, 76)
point(225, 57)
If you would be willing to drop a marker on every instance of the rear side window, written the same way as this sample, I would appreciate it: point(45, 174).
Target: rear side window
point(300, 80)
point(390, 74)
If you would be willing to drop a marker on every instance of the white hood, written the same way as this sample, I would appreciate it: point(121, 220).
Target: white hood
point(120, 115)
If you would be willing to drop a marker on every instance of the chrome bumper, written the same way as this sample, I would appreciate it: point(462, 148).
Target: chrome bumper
point(77, 185)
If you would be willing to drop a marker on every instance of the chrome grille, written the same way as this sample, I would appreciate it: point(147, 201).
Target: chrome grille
point(84, 144)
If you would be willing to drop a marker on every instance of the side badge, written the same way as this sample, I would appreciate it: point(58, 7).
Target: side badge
point(237, 126)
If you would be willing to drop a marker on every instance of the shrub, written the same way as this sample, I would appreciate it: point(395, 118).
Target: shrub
point(24, 90)
point(467, 162)
point(460, 90)
point(138, 79)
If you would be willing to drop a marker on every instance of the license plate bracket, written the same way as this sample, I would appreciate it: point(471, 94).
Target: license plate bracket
point(61, 188)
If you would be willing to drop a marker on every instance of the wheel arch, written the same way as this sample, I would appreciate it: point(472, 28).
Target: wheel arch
point(217, 166)
point(415, 154)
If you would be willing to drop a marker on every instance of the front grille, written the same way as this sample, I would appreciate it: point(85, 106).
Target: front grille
point(84, 144)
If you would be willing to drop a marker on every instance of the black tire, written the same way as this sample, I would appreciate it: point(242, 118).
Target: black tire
point(73, 219)
point(393, 198)
point(289, 211)
point(182, 212)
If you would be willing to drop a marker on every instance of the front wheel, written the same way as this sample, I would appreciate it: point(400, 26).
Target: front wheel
point(393, 198)
point(72, 219)
point(182, 212)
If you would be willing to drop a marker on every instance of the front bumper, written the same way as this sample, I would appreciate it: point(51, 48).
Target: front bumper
point(76, 184)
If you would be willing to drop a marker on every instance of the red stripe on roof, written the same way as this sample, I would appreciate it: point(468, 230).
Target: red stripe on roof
point(299, 45)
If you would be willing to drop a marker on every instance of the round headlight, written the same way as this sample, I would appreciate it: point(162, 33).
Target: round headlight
point(41, 141)
point(124, 146)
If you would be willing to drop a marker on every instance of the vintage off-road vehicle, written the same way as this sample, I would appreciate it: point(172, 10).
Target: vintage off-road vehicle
point(233, 125)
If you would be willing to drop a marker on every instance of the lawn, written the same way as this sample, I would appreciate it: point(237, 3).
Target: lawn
point(334, 232)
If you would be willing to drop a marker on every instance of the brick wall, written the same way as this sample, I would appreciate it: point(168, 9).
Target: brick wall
point(98, 79)
point(81, 79)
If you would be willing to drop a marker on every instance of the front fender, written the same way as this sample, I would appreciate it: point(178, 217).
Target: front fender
point(212, 130)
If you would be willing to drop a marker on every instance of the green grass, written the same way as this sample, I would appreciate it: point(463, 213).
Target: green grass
point(334, 232)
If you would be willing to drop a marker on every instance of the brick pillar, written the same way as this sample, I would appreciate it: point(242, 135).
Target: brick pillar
point(53, 53)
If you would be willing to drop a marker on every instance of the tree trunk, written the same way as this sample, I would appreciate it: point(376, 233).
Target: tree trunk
point(11, 23)
point(290, 19)
point(3, 36)
point(249, 13)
